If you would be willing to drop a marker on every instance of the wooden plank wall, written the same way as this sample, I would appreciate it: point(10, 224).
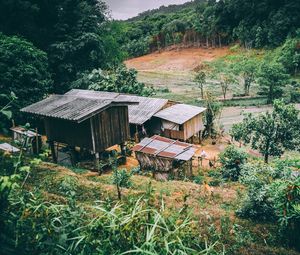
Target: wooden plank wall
point(69, 132)
point(193, 126)
point(111, 127)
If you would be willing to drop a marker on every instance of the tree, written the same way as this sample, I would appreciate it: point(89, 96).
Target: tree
point(271, 133)
point(24, 71)
point(118, 79)
point(272, 78)
point(200, 79)
point(223, 71)
point(213, 109)
point(76, 35)
point(246, 68)
point(232, 159)
point(5, 109)
point(226, 79)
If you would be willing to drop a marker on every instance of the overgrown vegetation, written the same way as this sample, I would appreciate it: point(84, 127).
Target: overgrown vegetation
point(271, 133)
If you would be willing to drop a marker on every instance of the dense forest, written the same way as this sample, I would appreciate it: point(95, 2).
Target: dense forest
point(254, 24)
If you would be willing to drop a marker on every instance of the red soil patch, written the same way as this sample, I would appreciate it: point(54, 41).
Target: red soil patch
point(180, 60)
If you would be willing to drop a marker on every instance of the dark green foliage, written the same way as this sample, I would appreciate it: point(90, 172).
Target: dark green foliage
point(289, 54)
point(273, 194)
point(75, 35)
point(121, 178)
point(285, 197)
point(213, 109)
point(215, 23)
point(271, 133)
point(256, 204)
point(24, 71)
point(119, 79)
point(232, 160)
point(272, 78)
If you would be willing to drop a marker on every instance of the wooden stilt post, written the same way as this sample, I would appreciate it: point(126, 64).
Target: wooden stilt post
point(53, 153)
point(123, 151)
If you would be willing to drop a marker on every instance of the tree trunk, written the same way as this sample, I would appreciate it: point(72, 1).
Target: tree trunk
point(267, 158)
point(270, 95)
point(119, 192)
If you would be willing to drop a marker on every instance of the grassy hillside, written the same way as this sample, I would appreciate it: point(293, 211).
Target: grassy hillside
point(211, 212)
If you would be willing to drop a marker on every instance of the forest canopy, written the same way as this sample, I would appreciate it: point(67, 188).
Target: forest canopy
point(214, 23)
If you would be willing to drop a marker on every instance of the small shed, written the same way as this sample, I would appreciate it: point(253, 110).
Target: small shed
point(27, 138)
point(165, 157)
point(88, 123)
point(181, 121)
point(141, 115)
point(6, 147)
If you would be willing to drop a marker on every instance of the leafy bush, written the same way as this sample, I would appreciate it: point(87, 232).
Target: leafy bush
point(122, 178)
point(256, 204)
point(273, 193)
point(24, 71)
point(119, 79)
point(285, 198)
point(232, 159)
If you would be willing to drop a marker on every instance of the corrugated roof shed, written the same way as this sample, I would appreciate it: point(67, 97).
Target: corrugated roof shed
point(164, 147)
point(68, 107)
point(8, 147)
point(138, 114)
point(179, 113)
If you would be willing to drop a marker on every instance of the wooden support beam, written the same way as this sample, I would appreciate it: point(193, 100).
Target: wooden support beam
point(53, 152)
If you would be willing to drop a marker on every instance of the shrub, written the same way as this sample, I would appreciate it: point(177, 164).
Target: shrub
point(122, 178)
point(118, 79)
point(255, 204)
point(24, 71)
point(232, 159)
point(285, 199)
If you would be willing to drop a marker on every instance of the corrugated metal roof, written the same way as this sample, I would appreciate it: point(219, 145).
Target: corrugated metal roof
point(23, 131)
point(138, 114)
point(8, 147)
point(92, 94)
point(164, 147)
point(68, 107)
point(144, 111)
point(179, 113)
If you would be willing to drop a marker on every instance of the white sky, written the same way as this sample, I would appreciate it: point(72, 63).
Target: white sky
point(124, 9)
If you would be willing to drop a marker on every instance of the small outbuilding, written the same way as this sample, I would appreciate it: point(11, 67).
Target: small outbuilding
point(165, 157)
point(88, 123)
point(181, 121)
point(28, 139)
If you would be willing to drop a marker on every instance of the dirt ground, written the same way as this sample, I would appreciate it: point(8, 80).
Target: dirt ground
point(183, 60)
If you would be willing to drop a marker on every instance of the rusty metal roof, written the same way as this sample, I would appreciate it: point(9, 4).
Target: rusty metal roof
point(179, 113)
point(165, 147)
point(138, 113)
point(69, 107)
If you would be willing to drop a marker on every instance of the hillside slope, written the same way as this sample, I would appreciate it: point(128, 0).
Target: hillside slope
point(182, 60)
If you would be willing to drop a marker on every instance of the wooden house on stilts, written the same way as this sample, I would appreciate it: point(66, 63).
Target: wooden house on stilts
point(141, 115)
point(93, 124)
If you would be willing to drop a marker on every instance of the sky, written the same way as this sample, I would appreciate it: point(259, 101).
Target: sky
point(124, 9)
